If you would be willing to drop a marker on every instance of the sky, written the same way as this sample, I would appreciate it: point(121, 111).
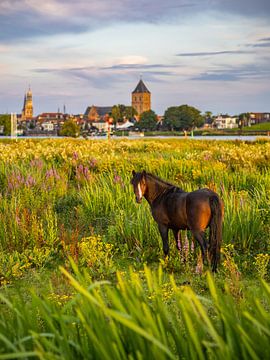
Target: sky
point(210, 54)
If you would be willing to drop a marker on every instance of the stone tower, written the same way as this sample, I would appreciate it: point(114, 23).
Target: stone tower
point(27, 111)
point(141, 98)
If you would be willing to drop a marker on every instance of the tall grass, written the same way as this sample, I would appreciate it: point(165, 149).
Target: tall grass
point(133, 320)
point(61, 199)
point(50, 187)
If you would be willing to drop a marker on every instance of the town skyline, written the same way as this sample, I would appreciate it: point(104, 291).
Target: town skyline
point(212, 55)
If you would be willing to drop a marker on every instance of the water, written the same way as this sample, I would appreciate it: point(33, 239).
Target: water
point(136, 137)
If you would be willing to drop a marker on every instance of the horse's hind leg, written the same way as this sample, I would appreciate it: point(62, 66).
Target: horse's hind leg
point(199, 236)
point(163, 229)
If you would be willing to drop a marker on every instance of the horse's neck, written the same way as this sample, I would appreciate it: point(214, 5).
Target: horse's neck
point(154, 189)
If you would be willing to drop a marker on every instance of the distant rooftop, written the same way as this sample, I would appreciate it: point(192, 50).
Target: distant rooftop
point(141, 88)
point(101, 110)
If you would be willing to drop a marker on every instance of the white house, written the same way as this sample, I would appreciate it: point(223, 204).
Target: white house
point(124, 126)
point(48, 126)
point(225, 122)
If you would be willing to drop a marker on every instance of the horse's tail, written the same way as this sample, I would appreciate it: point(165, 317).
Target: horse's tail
point(215, 236)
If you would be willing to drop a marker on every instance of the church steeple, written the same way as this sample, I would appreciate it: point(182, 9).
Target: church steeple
point(141, 98)
point(27, 111)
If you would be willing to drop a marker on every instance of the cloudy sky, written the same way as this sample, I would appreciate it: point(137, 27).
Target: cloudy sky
point(211, 54)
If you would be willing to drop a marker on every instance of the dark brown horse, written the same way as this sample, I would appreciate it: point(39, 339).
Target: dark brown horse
point(173, 208)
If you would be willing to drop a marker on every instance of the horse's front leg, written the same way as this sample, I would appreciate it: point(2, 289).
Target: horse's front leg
point(163, 229)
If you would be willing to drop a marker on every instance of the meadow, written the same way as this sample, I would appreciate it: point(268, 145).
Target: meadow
point(82, 273)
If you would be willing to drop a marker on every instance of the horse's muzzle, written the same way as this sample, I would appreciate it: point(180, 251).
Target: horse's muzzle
point(138, 200)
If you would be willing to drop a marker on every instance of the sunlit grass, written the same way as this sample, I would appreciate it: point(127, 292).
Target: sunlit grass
point(71, 199)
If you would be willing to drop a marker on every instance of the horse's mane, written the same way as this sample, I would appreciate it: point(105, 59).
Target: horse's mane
point(172, 187)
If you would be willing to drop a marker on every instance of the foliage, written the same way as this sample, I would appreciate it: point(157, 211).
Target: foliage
point(71, 199)
point(92, 252)
point(70, 128)
point(143, 316)
point(261, 263)
point(182, 117)
point(121, 112)
point(6, 122)
point(244, 120)
point(148, 121)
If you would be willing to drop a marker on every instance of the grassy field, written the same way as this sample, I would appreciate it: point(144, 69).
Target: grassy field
point(82, 273)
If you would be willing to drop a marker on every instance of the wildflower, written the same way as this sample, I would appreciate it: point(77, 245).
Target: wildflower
point(117, 179)
point(192, 246)
point(93, 163)
point(82, 173)
point(186, 247)
point(75, 155)
point(15, 180)
point(52, 173)
point(36, 163)
point(199, 266)
point(30, 181)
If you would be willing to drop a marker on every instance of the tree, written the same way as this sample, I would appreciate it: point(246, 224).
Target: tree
point(130, 112)
point(70, 128)
point(208, 117)
point(116, 113)
point(5, 121)
point(121, 112)
point(244, 120)
point(148, 120)
point(182, 117)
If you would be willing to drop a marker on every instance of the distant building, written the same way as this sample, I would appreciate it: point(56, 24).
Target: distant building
point(97, 113)
point(225, 122)
point(141, 98)
point(257, 118)
point(98, 116)
point(54, 117)
point(47, 126)
point(27, 111)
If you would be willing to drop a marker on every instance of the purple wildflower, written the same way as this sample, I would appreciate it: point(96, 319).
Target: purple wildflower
point(30, 181)
point(93, 163)
point(82, 173)
point(192, 246)
point(199, 266)
point(36, 163)
point(118, 180)
point(52, 174)
point(15, 180)
point(186, 247)
point(75, 155)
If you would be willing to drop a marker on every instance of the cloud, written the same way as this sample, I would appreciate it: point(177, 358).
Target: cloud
point(103, 76)
point(31, 18)
point(251, 8)
point(214, 53)
point(262, 45)
point(265, 39)
point(263, 42)
point(243, 72)
point(138, 67)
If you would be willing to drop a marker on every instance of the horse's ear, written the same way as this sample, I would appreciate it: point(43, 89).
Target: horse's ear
point(133, 172)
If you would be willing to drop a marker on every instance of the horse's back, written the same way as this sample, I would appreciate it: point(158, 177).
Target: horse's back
point(198, 207)
point(184, 210)
point(170, 209)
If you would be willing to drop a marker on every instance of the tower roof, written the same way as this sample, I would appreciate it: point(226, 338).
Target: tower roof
point(141, 88)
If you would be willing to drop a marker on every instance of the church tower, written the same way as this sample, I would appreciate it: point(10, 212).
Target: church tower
point(27, 111)
point(141, 98)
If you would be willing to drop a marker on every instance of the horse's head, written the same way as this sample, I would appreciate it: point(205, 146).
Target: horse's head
point(138, 182)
